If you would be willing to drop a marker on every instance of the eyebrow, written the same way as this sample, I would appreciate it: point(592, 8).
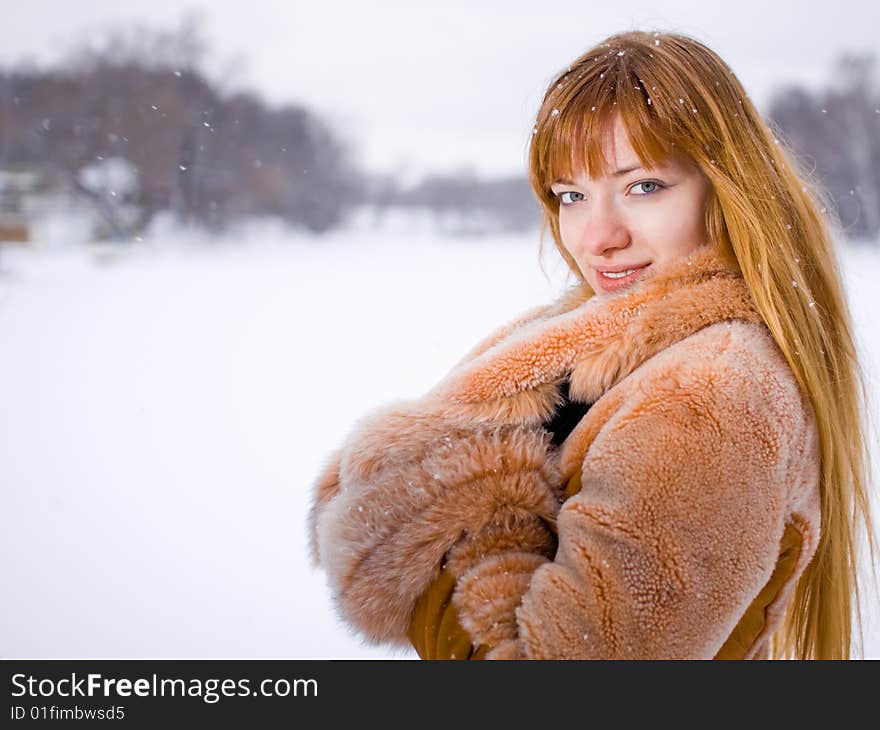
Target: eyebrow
point(616, 173)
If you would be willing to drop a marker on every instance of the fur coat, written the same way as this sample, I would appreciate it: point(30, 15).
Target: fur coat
point(673, 522)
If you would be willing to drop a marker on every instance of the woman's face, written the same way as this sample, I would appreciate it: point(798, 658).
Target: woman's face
point(633, 217)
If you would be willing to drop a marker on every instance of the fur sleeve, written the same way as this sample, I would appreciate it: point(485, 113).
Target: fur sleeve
point(675, 530)
point(405, 488)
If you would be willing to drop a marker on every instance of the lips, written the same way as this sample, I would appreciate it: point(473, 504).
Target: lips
point(610, 285)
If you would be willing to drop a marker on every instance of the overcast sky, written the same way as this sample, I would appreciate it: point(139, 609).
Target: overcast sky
point(444, 85)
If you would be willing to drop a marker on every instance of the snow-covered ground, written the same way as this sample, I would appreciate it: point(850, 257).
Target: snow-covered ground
point(165, 408)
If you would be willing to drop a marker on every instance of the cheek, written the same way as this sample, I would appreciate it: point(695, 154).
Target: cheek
point(569, 231)
point(566, 224)
point(682, 225)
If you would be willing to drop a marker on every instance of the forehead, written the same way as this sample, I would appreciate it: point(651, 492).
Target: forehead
point(616, 146)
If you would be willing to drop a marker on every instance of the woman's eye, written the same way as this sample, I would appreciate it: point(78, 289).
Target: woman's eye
point(569, 197)
point(647, 187)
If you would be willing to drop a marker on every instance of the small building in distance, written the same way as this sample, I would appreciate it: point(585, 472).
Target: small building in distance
point(17, 186)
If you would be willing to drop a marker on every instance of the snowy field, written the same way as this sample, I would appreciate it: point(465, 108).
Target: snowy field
point(164, 409)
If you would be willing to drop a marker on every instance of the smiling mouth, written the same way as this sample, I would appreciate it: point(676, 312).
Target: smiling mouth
point(613, 281)
point(618, 274)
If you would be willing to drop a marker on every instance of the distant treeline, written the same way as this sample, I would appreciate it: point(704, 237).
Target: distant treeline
point(192, 150)
point(835, 132)
point(135, 126)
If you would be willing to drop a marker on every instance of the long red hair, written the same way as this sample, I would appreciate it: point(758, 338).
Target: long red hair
point(674, 94)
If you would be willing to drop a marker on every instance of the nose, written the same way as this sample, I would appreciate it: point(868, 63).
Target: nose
point(604, 231)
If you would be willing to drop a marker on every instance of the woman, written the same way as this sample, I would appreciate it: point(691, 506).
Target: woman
point(668, 462)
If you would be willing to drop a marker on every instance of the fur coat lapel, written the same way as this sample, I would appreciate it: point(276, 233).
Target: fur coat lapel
point(512, 376)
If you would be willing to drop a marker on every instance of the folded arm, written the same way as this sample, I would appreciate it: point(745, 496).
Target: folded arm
point(410, 493)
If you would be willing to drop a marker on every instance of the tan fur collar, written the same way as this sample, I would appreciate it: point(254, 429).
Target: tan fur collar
point(599, 340)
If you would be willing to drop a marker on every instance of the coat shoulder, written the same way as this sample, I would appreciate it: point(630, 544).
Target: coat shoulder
point(728, 383)
point(733, 375)
point(734, 356)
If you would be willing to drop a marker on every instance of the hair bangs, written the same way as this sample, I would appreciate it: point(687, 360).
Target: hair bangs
point(577, 119)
